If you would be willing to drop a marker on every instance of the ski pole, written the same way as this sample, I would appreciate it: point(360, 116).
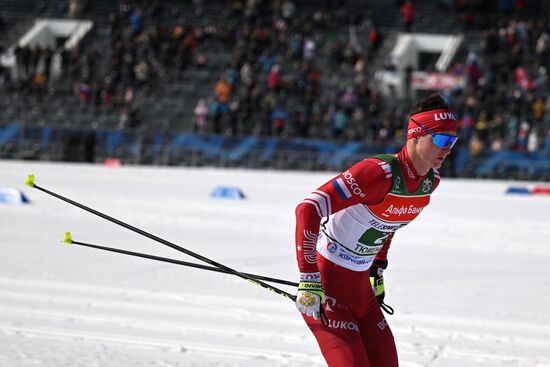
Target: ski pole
point(30, 182)
point(69, 240)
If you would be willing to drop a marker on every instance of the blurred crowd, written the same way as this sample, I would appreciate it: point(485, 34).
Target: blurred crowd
point(277, 82)
point(106, 75)
point(506, 105)
point(296, 73)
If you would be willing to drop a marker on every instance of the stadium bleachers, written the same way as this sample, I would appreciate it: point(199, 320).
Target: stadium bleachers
point(187, 47)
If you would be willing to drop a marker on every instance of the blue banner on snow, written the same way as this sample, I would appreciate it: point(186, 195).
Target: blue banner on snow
point(12, 196)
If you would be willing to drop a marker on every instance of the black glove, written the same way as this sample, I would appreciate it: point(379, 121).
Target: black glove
point(377, 283)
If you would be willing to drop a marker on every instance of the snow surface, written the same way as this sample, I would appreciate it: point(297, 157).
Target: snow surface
point(470, 279)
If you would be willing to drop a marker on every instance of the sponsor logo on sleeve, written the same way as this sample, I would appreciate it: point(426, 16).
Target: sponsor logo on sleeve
point(347, 186)
point(341, 189)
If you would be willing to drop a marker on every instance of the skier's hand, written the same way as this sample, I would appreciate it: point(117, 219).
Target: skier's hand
point(377, 279)
point(377, 283)
point(310, 295)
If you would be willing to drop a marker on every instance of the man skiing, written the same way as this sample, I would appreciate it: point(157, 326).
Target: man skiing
point(341, 266)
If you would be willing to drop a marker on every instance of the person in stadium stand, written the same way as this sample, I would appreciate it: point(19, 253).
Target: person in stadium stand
point(344, 230)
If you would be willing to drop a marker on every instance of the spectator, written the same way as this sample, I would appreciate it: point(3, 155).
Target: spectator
point(523, 79)
point(288, 9)
point(476, 146)
point(274, 79)
point(267, 62)
point(231, 75)
point(546, 120)
point(533, 141)
point(473, 71)
point(202, 61)
point(309, 50)
point(234, 117)
point(75, 8)
point(538, 109)
point(246, 74)
point(340, 121)
point(141, 70)
point(84, 93)
point(217, 112)
point(497, 144)
point(348, 100)
point(408, 14)
point(522, 137)
point(279, 117)
point(482, 127)
point(107, 93)
point(201, 112)
point(301, 124)
point(40, 81)
point(360, 66)
point(137, 22)
point(222, 90)
point(374, 41)
point(198, 6)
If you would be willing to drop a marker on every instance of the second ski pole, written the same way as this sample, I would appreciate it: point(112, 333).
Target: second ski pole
point(31, 183)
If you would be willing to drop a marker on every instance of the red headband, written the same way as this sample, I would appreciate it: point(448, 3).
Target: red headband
point(436, 121)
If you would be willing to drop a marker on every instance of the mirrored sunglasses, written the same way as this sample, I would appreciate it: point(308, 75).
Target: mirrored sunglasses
point(440, 140)
point(444, 140)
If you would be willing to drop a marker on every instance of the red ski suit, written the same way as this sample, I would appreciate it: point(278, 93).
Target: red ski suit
point(357, 333)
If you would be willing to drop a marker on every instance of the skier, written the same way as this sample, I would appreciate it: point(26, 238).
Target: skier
point(341, 265)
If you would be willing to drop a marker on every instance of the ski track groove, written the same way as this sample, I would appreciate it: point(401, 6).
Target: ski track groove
point(155, 325)
point(116, 340)
point(62, 311)
point(58, 311)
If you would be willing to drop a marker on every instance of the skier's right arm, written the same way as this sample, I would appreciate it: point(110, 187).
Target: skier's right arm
point(364, 182)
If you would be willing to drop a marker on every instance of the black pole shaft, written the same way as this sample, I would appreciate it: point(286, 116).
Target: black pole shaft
point(183, 263)
point(167, 243)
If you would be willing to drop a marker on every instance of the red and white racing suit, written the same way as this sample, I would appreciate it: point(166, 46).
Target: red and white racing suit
point(365, 206)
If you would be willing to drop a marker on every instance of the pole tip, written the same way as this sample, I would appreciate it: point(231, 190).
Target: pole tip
point(30, 181)
point(68, 238)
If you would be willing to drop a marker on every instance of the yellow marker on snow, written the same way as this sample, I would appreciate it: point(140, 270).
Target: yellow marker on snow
point(30, 181)
point(68, 238)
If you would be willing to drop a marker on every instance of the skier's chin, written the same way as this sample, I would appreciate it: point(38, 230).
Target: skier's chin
point(438, 162)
